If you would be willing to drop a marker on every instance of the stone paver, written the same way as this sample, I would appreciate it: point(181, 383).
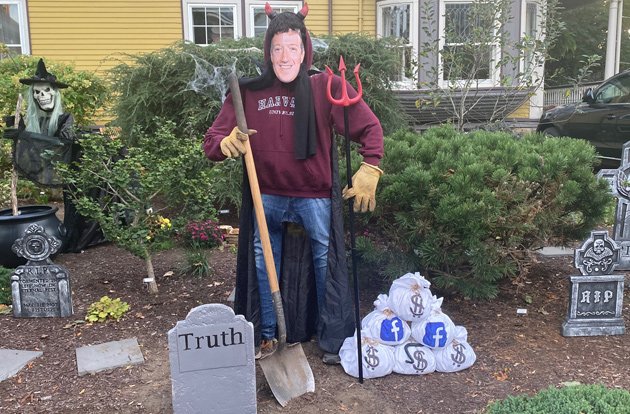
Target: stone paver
point(109, 355)
point(13, 360)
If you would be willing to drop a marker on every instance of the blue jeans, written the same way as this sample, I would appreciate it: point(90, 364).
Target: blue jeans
point(314, 215)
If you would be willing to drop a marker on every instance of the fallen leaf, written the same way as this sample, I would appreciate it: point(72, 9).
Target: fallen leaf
point(501, 375)
point(4, 310)
point(139, 315)
point(168, 274)
point(82, 391)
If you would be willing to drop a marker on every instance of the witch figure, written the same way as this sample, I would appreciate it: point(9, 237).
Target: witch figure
point(46, 135)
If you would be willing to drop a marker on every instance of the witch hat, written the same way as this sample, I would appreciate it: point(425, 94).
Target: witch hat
point(42, 75)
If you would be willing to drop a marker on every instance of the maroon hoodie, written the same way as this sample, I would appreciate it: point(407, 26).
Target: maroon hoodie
point(270, 112)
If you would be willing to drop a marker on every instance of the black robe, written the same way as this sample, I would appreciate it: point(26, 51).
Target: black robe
point(297, 278)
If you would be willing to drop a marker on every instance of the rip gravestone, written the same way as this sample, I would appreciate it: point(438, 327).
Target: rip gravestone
point(39, 288)
point(596, 299)
point(212, 362)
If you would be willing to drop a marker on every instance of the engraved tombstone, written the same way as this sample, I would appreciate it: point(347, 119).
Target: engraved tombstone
point(620, 187)
point(212, 361)
point(596, 298)
point(39, 288)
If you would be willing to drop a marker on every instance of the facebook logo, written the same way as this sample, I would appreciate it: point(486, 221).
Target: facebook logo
point(435, 335)
point(391, 330)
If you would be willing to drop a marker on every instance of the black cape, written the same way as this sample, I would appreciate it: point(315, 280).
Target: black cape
point(335, 322)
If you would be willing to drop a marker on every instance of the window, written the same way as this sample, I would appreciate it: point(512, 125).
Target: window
point(13, 26)
point(469, 42)
point(207, 23)
point(614, 91)
point(531, 34)
point(399, 19)
point(257, 18)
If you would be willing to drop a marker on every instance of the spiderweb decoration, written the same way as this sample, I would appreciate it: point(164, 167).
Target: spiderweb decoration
point(210, 79)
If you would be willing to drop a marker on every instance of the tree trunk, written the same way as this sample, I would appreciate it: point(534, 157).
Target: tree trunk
point(150, 280)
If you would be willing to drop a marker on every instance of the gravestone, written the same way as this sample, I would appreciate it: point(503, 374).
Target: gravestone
point(620, 187)
point(212, 361)
point(596, 298)
point(39, 288)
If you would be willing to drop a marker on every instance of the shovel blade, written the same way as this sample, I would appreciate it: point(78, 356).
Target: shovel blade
point(288, 373)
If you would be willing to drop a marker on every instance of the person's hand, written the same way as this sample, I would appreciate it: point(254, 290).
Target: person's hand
point(233, 145)
point(363, 189)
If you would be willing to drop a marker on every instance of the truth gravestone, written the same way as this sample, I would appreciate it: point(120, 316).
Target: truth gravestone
point(596, 299)
point(39, 288)
point(212, 362)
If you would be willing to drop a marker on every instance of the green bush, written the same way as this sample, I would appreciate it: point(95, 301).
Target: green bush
point(380, 63)
point(106, 308)
point(468, 206)
point(86, 95)
point(583, 399)
point(160, 84)
point(162, 174)
point(5, 286)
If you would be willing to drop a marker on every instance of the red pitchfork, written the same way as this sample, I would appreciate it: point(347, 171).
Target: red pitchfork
point(346, 101)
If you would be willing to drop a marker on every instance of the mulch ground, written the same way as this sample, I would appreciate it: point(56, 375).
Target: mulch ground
point(515, 354)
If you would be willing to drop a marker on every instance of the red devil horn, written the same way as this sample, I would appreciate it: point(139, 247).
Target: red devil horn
point(269, 11)
point(303, 12)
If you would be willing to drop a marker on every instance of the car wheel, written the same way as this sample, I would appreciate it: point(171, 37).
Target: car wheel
point(551, 131)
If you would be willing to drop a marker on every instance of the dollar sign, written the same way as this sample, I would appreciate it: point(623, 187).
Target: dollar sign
point(417, 308)
point(371, 359)
point(421, 362)
point(458, 357)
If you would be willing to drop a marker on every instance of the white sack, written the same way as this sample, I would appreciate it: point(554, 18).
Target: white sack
point(410, 297)
point(412, 358)
point(456, 356)
point(383, 325)
point(377, 359)
point(436, 330)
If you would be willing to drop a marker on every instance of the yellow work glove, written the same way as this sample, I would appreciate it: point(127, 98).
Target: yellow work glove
point(233, 145)
point(363, 189)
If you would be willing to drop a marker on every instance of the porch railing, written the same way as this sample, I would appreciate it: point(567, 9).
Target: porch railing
point(566, 94)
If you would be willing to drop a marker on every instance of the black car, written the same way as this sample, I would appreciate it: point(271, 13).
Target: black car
point(602, 118)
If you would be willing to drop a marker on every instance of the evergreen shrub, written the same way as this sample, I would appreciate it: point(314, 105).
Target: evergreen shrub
point(469, 205)
point(584, 399)
point(5, 286)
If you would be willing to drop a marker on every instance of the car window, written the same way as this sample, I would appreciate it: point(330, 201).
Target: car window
point(614, 91)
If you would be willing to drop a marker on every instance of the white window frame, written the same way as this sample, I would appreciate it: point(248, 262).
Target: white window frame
point(495, 56)
point(188, 5)
point(539, 27)
point(250, 5)
point(413, 31)
point(25, 43)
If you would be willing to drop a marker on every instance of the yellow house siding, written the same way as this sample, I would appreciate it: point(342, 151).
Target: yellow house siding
point(317, 19)
point(346, 16)
point(96, 35)
point(522, 112)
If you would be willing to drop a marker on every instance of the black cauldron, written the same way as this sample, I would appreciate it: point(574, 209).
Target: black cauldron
point(13, 227)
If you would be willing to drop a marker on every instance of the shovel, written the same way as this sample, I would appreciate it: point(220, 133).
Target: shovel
point(287, 371)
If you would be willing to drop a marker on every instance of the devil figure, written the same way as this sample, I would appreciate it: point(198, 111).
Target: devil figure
point(292, 142)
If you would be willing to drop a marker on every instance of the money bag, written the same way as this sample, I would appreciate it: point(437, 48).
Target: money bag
point(377, 359)
point(456, 356)
point(383, 325)
point(413, 358)
point(410, 297)
point(436, 330)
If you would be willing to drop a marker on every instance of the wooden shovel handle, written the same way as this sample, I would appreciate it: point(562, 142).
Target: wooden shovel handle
point(253, 183)
point(259, 211)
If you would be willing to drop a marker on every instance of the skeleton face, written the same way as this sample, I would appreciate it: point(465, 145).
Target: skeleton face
point(44, 94)
point(598, 246)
